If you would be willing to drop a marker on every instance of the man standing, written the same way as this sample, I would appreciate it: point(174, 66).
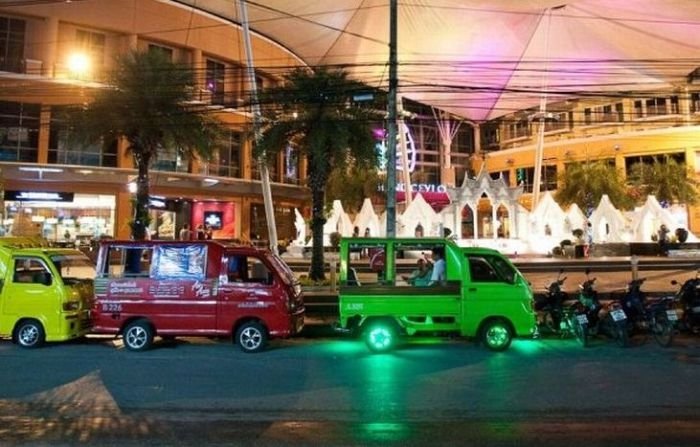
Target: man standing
point(185, 233)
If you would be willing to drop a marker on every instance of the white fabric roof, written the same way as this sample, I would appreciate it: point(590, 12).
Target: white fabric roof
point(481, 59)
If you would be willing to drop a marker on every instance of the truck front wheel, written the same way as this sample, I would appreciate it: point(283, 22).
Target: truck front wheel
point(29, 334)
point(496, 335)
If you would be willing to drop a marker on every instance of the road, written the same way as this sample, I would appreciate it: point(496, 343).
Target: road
point(325, 390)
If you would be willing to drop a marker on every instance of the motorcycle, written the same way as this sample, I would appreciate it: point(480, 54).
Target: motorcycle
point(688, 299)
point(551, 314)
point(589, 317)
point(648, 316)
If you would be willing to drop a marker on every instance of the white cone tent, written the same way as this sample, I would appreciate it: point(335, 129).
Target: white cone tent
point(338, 221)
point(419, 212)
point(367, 218)
point(607, 222)
point(649, 217)
point(575, 219)
point(547, 219)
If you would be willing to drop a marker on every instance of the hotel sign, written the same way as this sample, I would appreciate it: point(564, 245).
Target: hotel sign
point(39, 196)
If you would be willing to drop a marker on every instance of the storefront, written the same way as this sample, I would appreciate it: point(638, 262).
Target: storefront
point(60, 217)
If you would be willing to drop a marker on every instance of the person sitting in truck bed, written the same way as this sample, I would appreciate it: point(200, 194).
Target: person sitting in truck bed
point(420, 277)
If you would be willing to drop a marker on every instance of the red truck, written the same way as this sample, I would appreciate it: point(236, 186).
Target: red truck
point(154, 288)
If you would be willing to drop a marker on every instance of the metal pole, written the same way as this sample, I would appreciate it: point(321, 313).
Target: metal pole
point(391, 125)
point(262, 162)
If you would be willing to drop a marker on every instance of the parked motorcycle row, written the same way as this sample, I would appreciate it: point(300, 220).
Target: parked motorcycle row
point(634, 317)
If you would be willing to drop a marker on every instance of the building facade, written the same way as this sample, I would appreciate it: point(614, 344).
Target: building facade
point(57, 54)
point(625, 130)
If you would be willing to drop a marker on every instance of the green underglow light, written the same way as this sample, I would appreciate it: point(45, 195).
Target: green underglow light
point(385, 431)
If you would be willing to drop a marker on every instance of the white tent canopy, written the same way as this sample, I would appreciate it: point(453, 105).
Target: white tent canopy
point(367, 219)
point(607, 222)
point(481, 59)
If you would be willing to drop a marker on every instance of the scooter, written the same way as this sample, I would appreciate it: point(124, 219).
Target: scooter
point(550, 307)
point(688, 298)
point(589, 317)
point(649, 316)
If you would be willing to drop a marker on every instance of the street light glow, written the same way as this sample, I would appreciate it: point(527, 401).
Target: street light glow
point(78, 63)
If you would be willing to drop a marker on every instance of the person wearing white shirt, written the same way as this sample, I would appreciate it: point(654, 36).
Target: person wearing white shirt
point(438, 276)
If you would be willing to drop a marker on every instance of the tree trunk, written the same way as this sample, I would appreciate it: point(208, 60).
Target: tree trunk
point(139, 226)
point(318, 220)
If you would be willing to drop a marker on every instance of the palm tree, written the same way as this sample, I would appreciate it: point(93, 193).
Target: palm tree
point(585, 183)
point(313, 110)
point(351, 186)
point(668, 180)
point(147, 104)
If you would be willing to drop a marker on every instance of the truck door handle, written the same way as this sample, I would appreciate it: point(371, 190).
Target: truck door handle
point(472, 289)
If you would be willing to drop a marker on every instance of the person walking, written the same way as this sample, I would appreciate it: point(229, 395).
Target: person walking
point(185, 233)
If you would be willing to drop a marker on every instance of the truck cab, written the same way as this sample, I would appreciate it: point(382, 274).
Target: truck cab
point(471, 292)
point(162, 288)
point(45, 293)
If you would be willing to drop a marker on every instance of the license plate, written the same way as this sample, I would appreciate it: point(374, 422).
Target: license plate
point(618, 315)
point(582, 319)
point(672, 315)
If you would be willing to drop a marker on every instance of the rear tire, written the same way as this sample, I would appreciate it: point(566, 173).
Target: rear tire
point(380, 336)
point(662, 330)
point(29, 334)
point(580, 331)
point(138, 336)
point(496, 335)
point(251, 337)
point(621, 335)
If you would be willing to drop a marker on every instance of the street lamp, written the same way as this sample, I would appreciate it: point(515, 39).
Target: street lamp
point(78, 65)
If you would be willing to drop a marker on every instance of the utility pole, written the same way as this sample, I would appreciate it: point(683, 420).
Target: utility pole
point(262, 160)
point(391, 125)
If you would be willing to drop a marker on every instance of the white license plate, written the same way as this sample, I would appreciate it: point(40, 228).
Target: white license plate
point(582, 319)
point(618, 315)
point(672, 315)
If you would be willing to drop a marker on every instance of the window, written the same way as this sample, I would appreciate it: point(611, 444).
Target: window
point(609, 113)
point(165, 51)
point(247, 269)
point(519, 129)
point(227, 161)
point(96, 154)
point(93, 44)
point(659, 106)
point(559, 121)
point(19, 131)
point(490, 135)
point(31, 271)
point(215, 81)
point(123, 261)
point(179, 262)
point(488, 268)
point(695, 102)
point(12, 44)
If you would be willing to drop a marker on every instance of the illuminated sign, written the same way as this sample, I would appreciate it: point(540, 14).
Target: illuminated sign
point(39, 196)
point(213, 219)
point(410, 150)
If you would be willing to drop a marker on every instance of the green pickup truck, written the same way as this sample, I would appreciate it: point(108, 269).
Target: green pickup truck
point(471, 292)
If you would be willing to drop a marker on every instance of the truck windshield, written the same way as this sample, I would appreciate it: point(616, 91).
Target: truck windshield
point(76, 266)
point(283, 269)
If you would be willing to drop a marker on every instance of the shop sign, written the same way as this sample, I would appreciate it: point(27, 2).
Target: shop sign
point(39, 196)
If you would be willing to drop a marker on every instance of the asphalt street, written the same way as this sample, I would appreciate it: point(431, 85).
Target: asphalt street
point(324, 390)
